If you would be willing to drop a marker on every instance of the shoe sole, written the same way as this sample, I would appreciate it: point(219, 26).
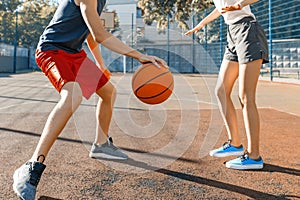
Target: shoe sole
point(14, 186)
point(221, 155)
point(106, 156)
point(245, 167)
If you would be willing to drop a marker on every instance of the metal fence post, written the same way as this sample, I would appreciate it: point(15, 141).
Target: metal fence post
point(132, 37)
point(168, 42)
point(221, 42)
point(270, 41)
point(205, 32)
point(193, 44)
point(15, 45)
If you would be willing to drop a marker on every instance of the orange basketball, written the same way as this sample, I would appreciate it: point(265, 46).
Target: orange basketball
point(152, 85)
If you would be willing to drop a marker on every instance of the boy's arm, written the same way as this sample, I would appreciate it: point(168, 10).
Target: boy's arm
point(95, 50)
point(92, 19)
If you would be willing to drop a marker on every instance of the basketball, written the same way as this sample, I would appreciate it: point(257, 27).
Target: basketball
point(152, 85)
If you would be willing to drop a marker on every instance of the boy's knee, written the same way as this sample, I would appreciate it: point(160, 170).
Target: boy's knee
point(108, 94)
point(111, 94)
point(71, 95)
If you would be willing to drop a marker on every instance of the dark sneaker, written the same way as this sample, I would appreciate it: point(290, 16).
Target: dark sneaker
point(227, 150)
point(244, 162)
point(26, 179)
point(107, 151)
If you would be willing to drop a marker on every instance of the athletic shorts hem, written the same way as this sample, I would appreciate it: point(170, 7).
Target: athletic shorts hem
point(246, 42)
point(61, 67)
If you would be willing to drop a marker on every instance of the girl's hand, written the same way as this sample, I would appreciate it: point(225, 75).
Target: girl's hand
point(231, 8)
point(194, 30)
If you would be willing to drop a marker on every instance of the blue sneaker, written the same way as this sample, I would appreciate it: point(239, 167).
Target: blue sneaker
point(26, 179)
point(244, 162)
point(227, 150)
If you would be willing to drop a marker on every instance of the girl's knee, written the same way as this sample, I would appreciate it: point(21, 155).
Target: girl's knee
point(220, 93)
point(247, 100)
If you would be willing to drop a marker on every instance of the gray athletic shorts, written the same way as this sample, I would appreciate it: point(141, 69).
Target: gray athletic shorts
point(246, 42)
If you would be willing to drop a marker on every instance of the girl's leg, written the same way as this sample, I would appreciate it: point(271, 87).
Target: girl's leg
point(228, 74)
point(104, 111)
point(71, 97)
point(248, 78)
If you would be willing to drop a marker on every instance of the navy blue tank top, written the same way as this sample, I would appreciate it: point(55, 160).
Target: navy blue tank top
point(67, 30)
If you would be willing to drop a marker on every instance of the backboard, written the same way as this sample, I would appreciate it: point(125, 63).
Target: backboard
point(108, 19)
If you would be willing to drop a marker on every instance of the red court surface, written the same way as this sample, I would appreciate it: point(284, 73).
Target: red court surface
point(167, 144)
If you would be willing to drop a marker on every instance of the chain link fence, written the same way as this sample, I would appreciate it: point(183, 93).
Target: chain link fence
point(204, 54)
point(21, 56)
point(280, 20)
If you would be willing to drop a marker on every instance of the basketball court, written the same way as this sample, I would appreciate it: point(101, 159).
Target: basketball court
point(167, 143)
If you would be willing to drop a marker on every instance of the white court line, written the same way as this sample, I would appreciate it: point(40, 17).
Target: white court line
point(263, 107)
point(280, 110)
point(205, 102)
point(19, 104)
point(215, 104)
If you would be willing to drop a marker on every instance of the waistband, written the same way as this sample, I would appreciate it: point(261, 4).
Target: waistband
point(59, 51)
point(245, 19)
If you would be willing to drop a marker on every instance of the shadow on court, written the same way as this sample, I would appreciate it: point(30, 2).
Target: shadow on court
point(209, 182)
point(48, 198)
point(71, 174)
point(284, 170)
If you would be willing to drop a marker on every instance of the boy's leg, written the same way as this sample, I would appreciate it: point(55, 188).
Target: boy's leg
point(228, 74)
point(103, 146)
point(26, 178)
point(71, 97)
point(104, 111)
point(248, 79)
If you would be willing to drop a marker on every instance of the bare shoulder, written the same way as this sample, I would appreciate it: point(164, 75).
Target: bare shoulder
point(86, 2)
point(77, 2)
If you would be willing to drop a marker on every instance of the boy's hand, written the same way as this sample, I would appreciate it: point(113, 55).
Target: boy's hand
point(158, 62)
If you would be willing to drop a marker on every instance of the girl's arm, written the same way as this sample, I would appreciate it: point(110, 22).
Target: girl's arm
point(210, 17)
point(246, 2)
point(238, 6)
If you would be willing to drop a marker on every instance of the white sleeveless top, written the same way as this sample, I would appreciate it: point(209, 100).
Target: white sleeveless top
point(233, 16)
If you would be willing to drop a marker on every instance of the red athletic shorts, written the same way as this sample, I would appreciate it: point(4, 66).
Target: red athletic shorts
point(61, 67)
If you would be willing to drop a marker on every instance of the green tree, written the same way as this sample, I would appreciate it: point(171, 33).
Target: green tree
point(211, 32)
point(9, 5)
point(33, 18)
point(7, 20)
point(179, 10)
